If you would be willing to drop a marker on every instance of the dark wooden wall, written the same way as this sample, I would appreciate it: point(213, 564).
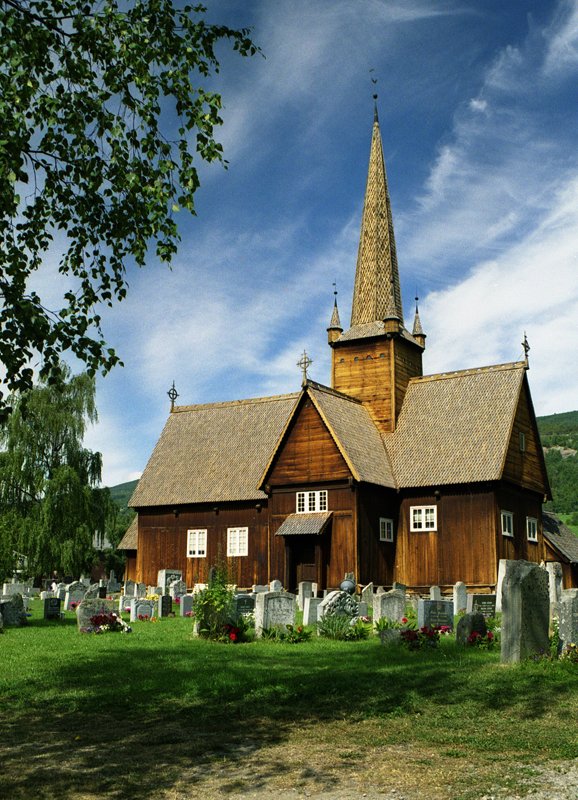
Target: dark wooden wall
point(376, 559)
point(377, 372)
point(308, 453)
point(163, 542)
point(526, 468)
point(522, 504)
point(130, 568)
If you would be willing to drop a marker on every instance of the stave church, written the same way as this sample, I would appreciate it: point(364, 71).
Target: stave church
point(387, 473)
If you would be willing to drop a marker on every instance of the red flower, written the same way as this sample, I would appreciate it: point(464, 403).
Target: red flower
point(404, 620)
point(233, 636)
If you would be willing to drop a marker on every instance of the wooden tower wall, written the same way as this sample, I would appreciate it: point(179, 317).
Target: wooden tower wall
point(526, 467)
point(376, 559)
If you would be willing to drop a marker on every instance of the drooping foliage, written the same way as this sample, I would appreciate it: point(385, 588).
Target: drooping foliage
point(50, 501)
point(105, 114)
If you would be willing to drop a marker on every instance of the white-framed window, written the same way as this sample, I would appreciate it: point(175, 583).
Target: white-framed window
point(197, 543)
point(237, 541)
point(423, 518)
point(385, 529)
point(532, 529)
point(507, 523)
point(311, 501)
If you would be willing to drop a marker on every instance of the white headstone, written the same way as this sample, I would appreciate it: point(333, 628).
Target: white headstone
point(568, 617)
point(501, 573)
point(389, 605)
point(276, 586)
point(435, 593)
point(555, 581)
point(310, 608)
point(274, 610)
point(304, 589)
point(460, 597)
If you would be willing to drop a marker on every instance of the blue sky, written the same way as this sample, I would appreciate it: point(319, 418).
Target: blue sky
point(478, 113)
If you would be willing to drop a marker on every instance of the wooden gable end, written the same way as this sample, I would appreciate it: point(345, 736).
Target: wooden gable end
point(308, 453)
point(524, 464)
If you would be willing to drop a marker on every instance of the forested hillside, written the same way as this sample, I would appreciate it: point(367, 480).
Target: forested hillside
point(559, 434)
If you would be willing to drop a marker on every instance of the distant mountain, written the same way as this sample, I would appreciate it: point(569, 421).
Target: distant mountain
point(559, 434)
point(122, 492)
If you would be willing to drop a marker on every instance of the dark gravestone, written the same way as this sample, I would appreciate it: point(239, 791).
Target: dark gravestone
point(435, 613)
point(482, 604)
point(52, 608)
point(244, 604)
point(102, 592)
point(165, 605)
point(468, 624)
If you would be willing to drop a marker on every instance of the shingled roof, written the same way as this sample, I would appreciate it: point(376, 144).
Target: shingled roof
point(560, 537)
point(214, 452)
point(456, 427)
point(130, 540)
point(355, 434)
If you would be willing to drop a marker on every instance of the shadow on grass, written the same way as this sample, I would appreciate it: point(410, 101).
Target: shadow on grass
point(130, 722)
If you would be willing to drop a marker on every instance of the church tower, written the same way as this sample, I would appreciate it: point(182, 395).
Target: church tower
point(375, 359)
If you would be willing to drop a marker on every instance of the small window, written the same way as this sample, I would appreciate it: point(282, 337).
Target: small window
point(385, 530)
point(197, 543)
point(522, 442)
point(237, 541)
point(507, 523)
point(423, 518)
point(532, 529)
point(311, 501)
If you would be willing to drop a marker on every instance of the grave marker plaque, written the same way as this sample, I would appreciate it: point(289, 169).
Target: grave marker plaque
point(52, 608)
point(165, 605)
point(435, 613)
point(482, 604)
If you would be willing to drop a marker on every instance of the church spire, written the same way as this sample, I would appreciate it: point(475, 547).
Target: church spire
point(377, 293)
point(417, 331)
point(334, 330)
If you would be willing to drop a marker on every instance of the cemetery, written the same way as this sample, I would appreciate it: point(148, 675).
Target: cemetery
point(294, 692)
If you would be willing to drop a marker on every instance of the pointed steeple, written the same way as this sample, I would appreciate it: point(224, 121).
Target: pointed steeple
point(417, 331)
point(377, 293)
point(334, 330)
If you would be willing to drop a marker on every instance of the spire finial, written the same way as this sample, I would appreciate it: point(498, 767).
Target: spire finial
point(374, 82)
point(526, 347)
point(334, 293)
point(173, 394)
point(304, 363)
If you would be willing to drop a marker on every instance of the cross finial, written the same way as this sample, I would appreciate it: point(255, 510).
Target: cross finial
point(304, 363)
point(526, 347)
point(374, 82)
point(173, 394)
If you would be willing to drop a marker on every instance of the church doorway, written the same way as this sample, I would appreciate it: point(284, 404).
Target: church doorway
point(303, 561)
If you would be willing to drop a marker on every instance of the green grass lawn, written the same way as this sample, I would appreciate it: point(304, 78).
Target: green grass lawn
point(164, 710)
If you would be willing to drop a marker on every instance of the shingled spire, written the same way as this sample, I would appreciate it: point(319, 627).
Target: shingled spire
point(377, 293)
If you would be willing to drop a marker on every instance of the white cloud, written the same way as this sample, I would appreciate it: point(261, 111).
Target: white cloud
point(562, 40)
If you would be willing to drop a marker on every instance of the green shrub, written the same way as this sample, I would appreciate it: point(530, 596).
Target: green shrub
point(342, 628)
point(291, 634)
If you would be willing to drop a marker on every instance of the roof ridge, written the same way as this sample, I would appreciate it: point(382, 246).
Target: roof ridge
point(463, 373)
point(328, 390)
point(231, 403)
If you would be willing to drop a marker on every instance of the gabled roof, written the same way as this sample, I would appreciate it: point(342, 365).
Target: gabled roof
point(130, 540)
point(560, 537)
point(213, 453)
point(313, 524)
point(353, 432)
point(456, 427)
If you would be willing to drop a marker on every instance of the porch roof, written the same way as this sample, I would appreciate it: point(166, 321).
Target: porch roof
point(305, 524)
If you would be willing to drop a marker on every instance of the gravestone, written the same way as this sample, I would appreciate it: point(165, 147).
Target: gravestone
point(435, 613)
point(140, 590)
point(89, 608)
point(468, 624)
point(112, 585)
point(124, 602)
point(259, 589)
point(12, 610)
point(141, 607)
point(166, 576)
point(501, 572)
point(310, 610)
point(389, 605)
point(52, 608)
point(337, 602)
point(276, 586)
point(460, 597)
point(555, 583)
point(435, 593)
point(92, 592)
point(244, 604)
point(186, 605)
point(164, 605)
point(46, 595)
point(367, 594)
point(74, 594)
point(177, 589)
point(482, 604)
point(304, 589)
point(102, 593)
point(568, 617)
point(525, 611)
point(60, 590)
point(399, 587)
point(129, 588)
point(274, 610)
point(13, 587)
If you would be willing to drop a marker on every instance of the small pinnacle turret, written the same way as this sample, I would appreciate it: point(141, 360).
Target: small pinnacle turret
point(335, 329)
point(417, 331)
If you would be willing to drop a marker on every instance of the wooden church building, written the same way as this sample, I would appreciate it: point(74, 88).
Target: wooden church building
point(387, 473)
